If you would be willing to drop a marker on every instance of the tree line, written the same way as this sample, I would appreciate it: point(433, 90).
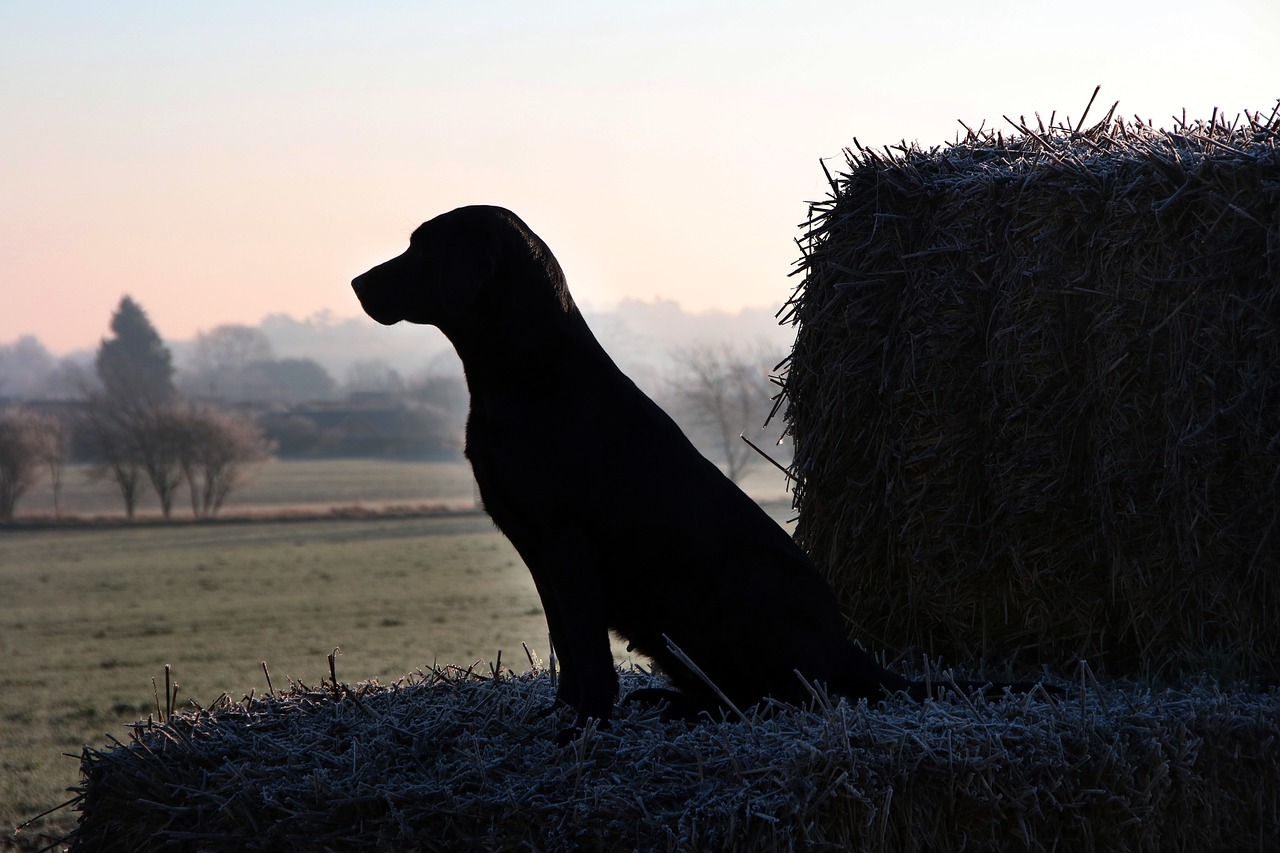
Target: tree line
point(145, 433)
point(136, 428)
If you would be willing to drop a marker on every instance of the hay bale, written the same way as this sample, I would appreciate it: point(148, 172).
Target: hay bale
point(1035, 396)
point(460, 761)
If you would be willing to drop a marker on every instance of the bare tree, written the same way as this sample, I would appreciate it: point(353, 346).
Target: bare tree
point(19, 464)
point(161, 435)
point(216, 449)
point(51, 446)
point(114, 444)
point(223, 363)
point(721, 392)
point(136, 444)
point(230, 347)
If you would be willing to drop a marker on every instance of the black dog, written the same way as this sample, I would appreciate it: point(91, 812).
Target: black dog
point(623, 524)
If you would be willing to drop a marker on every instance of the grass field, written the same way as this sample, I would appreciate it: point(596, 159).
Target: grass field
point(90, 614)
point(276, 483)
point(369, 483)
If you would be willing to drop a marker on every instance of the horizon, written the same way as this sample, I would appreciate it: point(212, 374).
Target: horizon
point(645, 339)
point(223, 164)
point(325, 320)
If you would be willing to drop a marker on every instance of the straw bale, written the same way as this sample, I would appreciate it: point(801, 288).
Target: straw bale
point(460, 761)
point(1035, 396)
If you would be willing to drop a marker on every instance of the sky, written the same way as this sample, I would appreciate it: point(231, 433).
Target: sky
point(221, 162)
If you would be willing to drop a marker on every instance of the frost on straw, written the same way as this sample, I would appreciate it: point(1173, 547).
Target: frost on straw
point(460, 760)
point(1035, 395)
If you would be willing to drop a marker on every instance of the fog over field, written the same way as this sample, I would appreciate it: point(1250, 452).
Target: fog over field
point(640, 336)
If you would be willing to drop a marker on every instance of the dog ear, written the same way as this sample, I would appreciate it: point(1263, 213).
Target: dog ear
point(459, 252)
point(462, 272)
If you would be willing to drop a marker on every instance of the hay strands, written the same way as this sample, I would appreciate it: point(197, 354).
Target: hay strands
point(1048, 433)
point(463, 761)
point(704, 678)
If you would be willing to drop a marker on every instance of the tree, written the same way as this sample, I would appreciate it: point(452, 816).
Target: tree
point(70, 377)
point(135, 366)
point(292, 379)
point(222, 363)
point(161, 434)
point(719, 392)
point(291, 434)
point(114, 444)
point(373, 376)
point(216, 448)
point(51, 447)
point(25, 366)
point(448, 394)
point(130, 426)
point(19, 462)
point(230, 347)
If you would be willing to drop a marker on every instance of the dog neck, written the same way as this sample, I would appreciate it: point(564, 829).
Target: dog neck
point(526, 335)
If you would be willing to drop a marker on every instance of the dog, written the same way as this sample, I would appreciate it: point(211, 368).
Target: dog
point(623, 524)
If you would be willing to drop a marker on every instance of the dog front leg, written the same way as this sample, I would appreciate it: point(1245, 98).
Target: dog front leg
point(566, 574)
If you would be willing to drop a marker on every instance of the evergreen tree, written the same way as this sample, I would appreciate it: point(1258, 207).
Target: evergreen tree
point(135, 366)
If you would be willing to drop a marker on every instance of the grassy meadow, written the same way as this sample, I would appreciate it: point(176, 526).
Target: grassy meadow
point(316, 484)
point(91, 613)
point(275, 484)
point(90, 616)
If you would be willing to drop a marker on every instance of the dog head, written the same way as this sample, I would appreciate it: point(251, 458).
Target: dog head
point(437, 280)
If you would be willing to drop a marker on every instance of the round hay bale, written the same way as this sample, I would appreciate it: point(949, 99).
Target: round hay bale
point(460, 761)
point(1035, 396)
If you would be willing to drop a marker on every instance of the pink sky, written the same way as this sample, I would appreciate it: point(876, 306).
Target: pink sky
point(220, 162)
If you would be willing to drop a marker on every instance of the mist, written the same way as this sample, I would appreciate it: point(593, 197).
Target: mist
point(641, 336)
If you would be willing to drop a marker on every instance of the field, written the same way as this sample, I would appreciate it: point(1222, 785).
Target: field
point(320, 483)
point(91, 613)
